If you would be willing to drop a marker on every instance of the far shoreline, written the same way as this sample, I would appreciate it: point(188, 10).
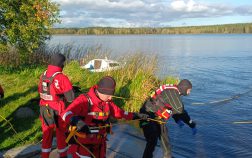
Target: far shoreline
point(241, 28)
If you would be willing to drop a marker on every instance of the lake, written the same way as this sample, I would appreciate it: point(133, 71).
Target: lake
point(219, 66)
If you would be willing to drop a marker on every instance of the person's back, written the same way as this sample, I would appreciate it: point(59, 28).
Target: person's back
point(54, 88)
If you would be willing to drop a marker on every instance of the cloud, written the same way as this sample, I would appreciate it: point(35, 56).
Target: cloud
point(137, 13)
point(189, 6)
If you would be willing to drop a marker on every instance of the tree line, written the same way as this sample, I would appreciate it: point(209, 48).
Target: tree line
point(218, 29)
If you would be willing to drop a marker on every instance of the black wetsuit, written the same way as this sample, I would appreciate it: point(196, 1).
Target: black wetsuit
point(153, 130)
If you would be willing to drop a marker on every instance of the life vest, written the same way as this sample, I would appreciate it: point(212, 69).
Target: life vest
point(162, 88)
point(96, 112)
point(96, 117)
point(158, 105)
point(47, 93)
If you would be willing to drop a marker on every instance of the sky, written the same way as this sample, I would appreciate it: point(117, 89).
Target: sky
point(152, 13)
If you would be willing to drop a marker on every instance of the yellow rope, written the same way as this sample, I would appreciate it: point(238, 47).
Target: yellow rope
point(11, 127)
point(155, 120)
point(126, 98)
point(99, 127)
point(84, 147)
point(71, 134)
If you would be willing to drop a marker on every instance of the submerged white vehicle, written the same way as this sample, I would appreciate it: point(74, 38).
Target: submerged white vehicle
point(101, 65)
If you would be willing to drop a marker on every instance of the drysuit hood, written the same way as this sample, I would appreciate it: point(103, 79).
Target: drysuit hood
point(183, 86)
point(57, 60)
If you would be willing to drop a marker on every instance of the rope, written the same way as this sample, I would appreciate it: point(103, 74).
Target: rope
point(242, 122)
point(71, 134)
point(155, 120)
point(223, 100)
point(126, 98)
point(12, 128)
point(84, 147)
point(73, 131)
point(134, 98)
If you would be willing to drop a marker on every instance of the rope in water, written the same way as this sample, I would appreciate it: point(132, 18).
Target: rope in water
point(222, 101)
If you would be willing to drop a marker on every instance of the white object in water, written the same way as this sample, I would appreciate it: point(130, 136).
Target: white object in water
point(101, 65)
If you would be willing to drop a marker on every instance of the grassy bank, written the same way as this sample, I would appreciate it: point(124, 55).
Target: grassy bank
point(134, 82)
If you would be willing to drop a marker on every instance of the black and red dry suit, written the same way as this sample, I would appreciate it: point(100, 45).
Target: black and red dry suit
point(164, 102)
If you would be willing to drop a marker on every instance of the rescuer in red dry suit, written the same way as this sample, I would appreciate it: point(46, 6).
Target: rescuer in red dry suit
point(165, 102)
point(55, 90)
point(93, 110)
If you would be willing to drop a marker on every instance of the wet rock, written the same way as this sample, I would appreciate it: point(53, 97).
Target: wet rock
point(25, 112)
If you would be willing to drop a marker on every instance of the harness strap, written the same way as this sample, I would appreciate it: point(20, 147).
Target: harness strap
point(90, 103)
point(45, 94)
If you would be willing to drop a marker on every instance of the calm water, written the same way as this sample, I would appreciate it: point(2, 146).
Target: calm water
point(219, 67)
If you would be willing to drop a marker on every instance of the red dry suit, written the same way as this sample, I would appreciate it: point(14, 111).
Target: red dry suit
point(54, 88)
point(94, 112)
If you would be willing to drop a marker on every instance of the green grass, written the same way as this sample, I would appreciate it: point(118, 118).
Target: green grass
point(20, 87)
point(134, 83)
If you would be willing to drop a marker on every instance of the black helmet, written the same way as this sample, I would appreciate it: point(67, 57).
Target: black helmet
point(107, 85)
point(184, 85)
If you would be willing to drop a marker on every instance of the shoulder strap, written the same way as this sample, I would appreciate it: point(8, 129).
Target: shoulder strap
point(90, 103)
point(52, 77)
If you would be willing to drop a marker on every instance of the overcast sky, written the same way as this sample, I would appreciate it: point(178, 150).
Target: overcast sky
point(153, 13)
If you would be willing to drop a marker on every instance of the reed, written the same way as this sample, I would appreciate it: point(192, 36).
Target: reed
point(134, 81)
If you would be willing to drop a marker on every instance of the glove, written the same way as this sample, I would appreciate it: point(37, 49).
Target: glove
point(140, 116)
point(80, 125)
point(194, 131)
point(192, 124)
point(180, 123)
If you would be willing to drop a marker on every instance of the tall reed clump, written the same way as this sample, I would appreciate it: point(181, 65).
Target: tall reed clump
point(13, 60)
point(134, 80)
